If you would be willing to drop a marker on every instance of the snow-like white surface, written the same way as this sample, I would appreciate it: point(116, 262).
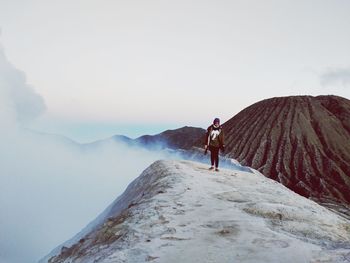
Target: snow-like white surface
point(178, 211)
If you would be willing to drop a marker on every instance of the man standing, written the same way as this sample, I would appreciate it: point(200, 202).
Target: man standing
point(214, 140)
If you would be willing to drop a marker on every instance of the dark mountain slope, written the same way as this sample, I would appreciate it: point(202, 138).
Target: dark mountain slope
point(301, 141)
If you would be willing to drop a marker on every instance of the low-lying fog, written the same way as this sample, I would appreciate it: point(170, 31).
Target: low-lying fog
point(51, 187)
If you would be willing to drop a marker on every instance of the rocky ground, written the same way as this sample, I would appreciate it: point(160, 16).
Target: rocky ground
point(178, 211)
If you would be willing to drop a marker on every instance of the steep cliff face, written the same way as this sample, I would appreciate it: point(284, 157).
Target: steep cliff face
point(301, 141)
point(178, 211)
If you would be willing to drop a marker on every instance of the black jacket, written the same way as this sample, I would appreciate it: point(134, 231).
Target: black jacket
point(215, 137)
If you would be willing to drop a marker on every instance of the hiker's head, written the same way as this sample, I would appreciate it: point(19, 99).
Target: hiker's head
point(216, 122)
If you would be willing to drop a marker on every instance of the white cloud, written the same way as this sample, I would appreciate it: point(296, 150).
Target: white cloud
point(20, 103)
point(50, 187)
point(339, 77)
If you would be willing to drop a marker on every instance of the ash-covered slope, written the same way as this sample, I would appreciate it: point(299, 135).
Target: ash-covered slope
point(301, 141)
point(178, 211)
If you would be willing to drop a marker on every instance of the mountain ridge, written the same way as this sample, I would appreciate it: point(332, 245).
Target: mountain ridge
point(178, 211)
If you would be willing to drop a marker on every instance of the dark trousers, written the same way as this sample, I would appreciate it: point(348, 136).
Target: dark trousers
point(214, 155)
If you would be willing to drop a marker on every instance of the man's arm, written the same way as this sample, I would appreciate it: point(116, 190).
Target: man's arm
point(207, 136)
point(222, 140)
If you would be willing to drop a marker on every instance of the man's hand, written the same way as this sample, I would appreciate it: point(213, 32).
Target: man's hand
point(223, 148)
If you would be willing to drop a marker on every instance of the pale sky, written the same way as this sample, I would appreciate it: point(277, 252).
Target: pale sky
point(95, 68)
point(157, 64)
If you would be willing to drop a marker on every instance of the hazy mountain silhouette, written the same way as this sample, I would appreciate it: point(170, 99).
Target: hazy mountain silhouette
point(181, 138)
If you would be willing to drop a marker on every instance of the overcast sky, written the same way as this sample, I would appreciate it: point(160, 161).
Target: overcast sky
point(136, 67)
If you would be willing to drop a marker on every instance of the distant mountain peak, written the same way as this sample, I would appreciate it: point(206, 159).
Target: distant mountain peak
point(181, 138)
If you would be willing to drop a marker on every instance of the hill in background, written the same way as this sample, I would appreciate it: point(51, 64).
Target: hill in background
point(301, 141)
